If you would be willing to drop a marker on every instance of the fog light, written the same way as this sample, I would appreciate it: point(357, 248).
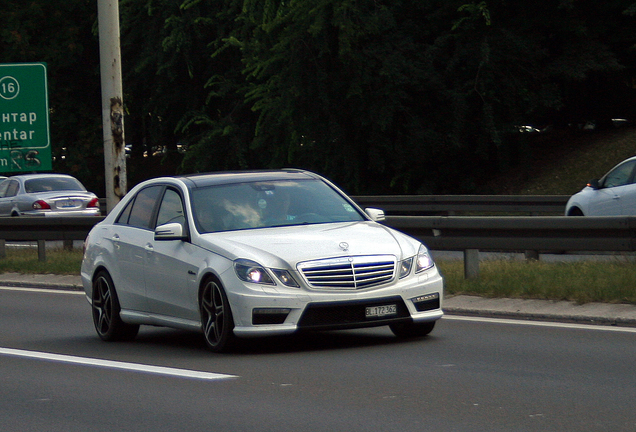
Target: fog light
point(262, 316)
point(426, 302)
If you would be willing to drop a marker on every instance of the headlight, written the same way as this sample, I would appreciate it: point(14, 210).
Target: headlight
point(249, 271)
point(286, 278)
point(423, 260)
point(405, 267)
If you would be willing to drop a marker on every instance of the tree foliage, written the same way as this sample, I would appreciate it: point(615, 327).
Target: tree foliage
point(382, 97)
point(61, 34)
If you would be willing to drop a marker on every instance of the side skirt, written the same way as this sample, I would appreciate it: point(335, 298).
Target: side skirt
point(142, 318)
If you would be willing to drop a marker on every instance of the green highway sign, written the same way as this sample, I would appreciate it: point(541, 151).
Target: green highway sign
point(24, 118)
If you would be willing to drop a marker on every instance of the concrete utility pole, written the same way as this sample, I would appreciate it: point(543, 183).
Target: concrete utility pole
point(112, 101)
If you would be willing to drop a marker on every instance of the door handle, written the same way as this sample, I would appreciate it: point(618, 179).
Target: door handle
point(149, 248)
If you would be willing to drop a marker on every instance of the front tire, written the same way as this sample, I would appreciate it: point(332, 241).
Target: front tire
point(106, 308)
point(217, 322)
point(412, 330)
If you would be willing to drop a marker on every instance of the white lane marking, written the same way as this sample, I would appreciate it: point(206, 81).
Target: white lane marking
point(542, 323)
point(45, 290)
point(110, 364)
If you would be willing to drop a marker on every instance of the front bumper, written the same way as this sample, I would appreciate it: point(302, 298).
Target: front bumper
point(289, 311)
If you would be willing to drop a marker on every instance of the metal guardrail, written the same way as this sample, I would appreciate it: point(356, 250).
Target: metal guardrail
point(422, 205)
point(541, 233)
point(471, 234)
point(531, 234)
point(41, 229)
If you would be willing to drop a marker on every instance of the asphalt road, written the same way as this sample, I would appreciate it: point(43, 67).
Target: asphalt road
point(470, 374)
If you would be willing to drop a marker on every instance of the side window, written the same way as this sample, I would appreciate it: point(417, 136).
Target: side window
point(171, 209)
point(619, 176)
point(3, 188)
point(123, 217)
point(12, 189)
point(143, 207)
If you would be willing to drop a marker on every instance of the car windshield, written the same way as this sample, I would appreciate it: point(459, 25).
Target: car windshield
point(268, 204)
point(52, 184)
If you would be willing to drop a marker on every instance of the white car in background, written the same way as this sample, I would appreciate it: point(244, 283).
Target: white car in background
point(247, 254)
point(613, 195)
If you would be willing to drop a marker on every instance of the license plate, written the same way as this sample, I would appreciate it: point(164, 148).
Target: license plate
point(381, 311)
point(67, 204)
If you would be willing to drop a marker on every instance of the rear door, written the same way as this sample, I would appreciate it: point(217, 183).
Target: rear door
point(8, 196)
point(5, 202)
point(131, 235)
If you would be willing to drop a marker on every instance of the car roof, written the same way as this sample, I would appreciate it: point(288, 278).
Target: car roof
point(228, 177)
point(630, 158)
point(40, 175)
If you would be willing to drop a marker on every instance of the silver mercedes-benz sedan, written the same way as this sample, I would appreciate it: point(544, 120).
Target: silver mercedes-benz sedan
point(243, 254)
point(46, 195)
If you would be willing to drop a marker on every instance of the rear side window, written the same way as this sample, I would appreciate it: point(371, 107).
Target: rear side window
point(123, 217)
point(3, 188)
point(140, 210)
point(12, 189)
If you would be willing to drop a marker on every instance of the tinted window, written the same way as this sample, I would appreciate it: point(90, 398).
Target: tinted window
point(3, 188)
point(268, 204)
point(621, 175)
point(142, 209)
point(12, 189)
point(52, 184)
point(171, 209)
point(125, 214)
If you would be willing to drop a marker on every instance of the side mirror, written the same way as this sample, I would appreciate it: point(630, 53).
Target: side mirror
point(376, 215)
point(169, 231)
point(594, 184)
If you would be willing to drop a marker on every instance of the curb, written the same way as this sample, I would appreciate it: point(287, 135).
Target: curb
point(40, 285)
point(546, 317)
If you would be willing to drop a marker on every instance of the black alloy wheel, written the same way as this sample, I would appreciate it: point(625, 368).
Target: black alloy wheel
point(216, 317)
point(108, 323)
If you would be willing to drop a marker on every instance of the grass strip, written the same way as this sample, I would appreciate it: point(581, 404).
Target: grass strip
point(582, 281)
point(25, 261)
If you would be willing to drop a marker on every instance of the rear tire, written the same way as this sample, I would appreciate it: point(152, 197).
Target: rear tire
point(411, 329)
point(106, 308)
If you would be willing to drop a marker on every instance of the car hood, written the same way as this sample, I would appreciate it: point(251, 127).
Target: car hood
point(281, 247)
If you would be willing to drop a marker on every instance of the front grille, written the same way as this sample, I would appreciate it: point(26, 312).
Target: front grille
point(349, 272)
point(350, 314)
